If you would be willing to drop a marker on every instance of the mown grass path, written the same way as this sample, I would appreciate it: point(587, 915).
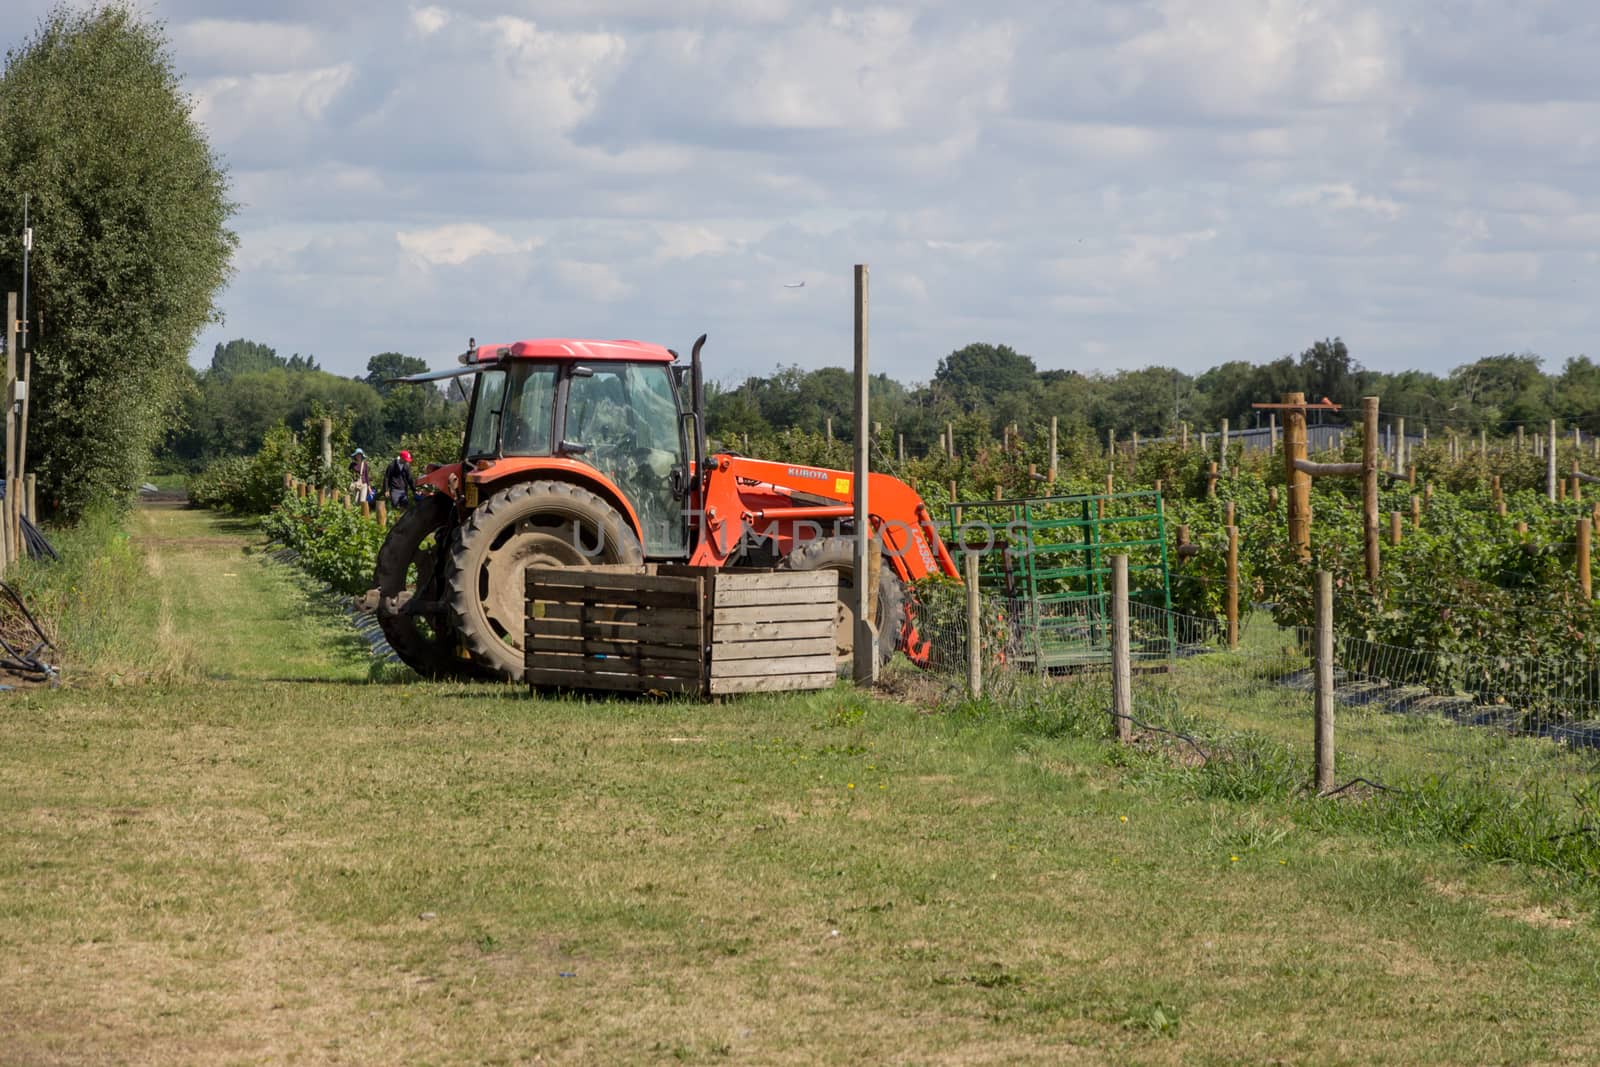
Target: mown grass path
point(253, 869)
point(233, 613)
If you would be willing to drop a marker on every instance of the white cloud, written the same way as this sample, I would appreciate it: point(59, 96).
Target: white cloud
point(453, 244)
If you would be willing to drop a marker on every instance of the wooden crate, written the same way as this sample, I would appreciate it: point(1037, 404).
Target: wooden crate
point(680, 629)
point(615, 628)
point(772, 631)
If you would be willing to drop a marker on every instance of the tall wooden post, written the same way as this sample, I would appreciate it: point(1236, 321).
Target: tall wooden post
point(827, 428)
point(1211, 480)
point(33, 500)
point(1483, 442)
point(974, 631)
point(1299, 482)
point(1272, 430)
point(383, 512)
point(1400, 445)
point(1522, 443)
point(866, 643)
point(950, 438)
point(1224, 449)
point(901, 449)
point(1416, 511)
point(1135, 446)
point(1369, 488)
point(1323, 743)
point(1395, 527)
point(9, 533)
point(1232, 604)
point(327, 444)
point(1111, 450)
point(1183, 436)
point(1121, 656)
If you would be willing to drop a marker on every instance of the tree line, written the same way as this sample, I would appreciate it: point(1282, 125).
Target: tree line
point(248, 389)
point(982, 388)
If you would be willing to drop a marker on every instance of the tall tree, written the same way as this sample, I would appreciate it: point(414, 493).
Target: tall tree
point(130, 210)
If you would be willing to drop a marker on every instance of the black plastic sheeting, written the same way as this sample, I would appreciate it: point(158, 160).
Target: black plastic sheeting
point(37, 544)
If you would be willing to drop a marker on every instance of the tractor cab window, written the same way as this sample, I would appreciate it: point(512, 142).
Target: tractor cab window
point(513, 412)
point(624, 418)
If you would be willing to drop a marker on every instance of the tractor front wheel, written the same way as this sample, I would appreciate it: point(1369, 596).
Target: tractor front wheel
point(533, 524)
point(838, 554)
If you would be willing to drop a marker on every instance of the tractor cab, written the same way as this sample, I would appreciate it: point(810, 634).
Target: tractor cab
point(610, 406)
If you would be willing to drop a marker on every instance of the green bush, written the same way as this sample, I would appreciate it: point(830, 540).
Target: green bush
point(334, 542)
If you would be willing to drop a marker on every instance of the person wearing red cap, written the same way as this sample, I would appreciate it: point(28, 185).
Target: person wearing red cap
point(397, 481)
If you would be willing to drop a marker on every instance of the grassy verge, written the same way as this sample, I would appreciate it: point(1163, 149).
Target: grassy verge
point(464, 874)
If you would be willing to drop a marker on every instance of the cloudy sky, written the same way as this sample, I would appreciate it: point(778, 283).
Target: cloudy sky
point(1099, 183)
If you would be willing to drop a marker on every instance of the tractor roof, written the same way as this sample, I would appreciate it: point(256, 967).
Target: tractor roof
point(567, 348)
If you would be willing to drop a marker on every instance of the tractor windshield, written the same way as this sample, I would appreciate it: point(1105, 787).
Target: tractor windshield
point(624, 419)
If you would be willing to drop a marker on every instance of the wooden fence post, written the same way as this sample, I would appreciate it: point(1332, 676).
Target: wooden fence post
point(1272, 430)
point(1394, 527)
point(1233, 586)
point(950, 437)
point(1299, 482)
point(383, 512)
point(1121, 655)
point(974, 631)
point(1211, 480)
point(1585, 575)
point(1183, 436)
point(1416, 512)
point(1324, 674)
point(33, 499)
point(1224, 449)
point(1550, 464)
point(902, 447)
point(1400, 445)
point(1522, 441)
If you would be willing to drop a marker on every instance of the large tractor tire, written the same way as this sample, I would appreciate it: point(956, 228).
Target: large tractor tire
point(533, 524)
point(838, 554)
point(407, 579)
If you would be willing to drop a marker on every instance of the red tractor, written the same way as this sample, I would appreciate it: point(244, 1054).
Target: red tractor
point(580, 453)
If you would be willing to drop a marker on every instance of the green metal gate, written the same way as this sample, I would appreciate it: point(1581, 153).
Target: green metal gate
point(1050, 559)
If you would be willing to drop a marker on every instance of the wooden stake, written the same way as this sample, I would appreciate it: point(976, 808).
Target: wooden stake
point(1585, 574)
point(1272, 497)
point(1323, 742)
point(1400, 445)
point(1211, 480)
point(1550, 464)
point(1121, 658)
point(383, 512)
point(1183, 436)
point(1232, 603)
point(1224, 449)
point(1227, 511)
point(1394, 527)
point(1416, 512)
point(1521, 528)
point(1369, 489)
point(974, 631)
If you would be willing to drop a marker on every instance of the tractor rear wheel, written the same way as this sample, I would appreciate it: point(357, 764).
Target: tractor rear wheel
point(838, 554)
point(533, 524)
point(414, 620)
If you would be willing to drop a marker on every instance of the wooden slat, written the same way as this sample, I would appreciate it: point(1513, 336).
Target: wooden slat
point(588, 646)
point(740, 668)
point(587, 578)
point(667, 668)
point(816, 646)
point(807, 580)
point(576, 629)
point(786, 630)
point(631, 616)
point(741, 598)
point(790, 613)
point(644, 598)
point(774, 684)
point(562, 679)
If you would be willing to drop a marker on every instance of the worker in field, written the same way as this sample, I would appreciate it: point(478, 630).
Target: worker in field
point(397, 481)
point(360, 476)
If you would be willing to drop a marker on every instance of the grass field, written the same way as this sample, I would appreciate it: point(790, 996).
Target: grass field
point(259, 857)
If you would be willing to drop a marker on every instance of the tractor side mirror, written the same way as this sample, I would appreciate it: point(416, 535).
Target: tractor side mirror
point(572, 448)
point(680, 377)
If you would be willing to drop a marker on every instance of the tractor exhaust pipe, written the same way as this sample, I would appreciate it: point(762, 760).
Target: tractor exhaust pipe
point(697, 400)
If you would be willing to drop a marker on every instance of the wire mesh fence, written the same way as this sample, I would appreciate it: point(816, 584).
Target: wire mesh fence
point(1403, 716)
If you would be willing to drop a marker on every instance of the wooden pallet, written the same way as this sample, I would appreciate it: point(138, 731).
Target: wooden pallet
point(679, 629)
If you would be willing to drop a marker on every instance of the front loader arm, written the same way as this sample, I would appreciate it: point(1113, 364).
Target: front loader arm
point(743, 495)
